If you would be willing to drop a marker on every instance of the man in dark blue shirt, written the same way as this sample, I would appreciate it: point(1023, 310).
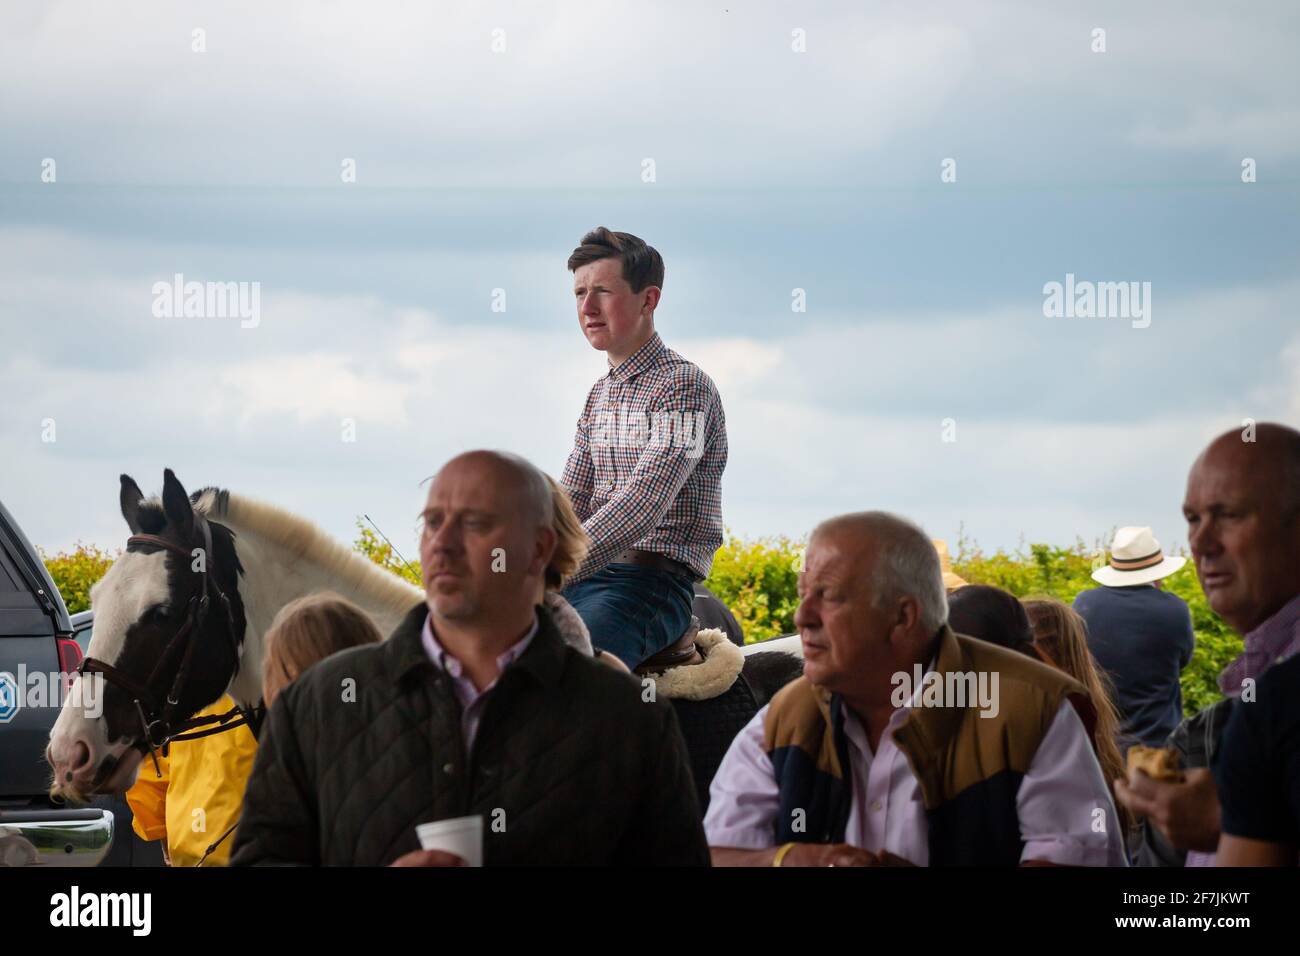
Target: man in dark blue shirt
point(1258, 774)
point(1140, 635)
point(1243, 527)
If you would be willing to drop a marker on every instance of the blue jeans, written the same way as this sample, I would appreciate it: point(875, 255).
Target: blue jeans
point(631, 611)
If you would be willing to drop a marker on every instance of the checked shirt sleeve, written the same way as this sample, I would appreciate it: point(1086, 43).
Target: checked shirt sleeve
point(579, 474)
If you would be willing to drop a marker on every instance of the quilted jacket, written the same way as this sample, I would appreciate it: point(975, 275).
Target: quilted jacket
point(571, 765)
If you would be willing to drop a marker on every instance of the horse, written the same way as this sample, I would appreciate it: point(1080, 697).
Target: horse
point(180, 619)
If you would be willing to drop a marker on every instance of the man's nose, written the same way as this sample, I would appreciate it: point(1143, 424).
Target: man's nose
point(441, 540)
point(590, 306)
point(446, 539)
point(805, 616)
point(1203, 539)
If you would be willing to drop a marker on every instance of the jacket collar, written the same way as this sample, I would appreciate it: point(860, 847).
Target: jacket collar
point(928, 726)
point(543, 660)
point(934, 725)
point(647, 356)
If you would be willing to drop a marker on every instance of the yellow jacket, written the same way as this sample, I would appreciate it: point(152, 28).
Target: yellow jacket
point(199, 795)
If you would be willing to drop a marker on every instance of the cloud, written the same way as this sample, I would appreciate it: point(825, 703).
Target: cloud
point(1278, 398)
point(416, 94)
point(737, 363)
point(311, 387)
point(1270, 133)
point(820, 421)
point(579, 96)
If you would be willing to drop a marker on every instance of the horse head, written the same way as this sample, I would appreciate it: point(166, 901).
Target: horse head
point(167, 640)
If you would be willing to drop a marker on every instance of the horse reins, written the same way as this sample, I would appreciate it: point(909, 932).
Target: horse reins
point(156, 725)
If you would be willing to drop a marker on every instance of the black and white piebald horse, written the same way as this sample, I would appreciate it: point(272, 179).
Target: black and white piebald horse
point(180, 618)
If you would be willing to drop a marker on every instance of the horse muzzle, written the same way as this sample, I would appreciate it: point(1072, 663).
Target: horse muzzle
point(79, 772)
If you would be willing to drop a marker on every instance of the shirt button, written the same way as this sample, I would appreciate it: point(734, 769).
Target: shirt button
point(449, 769)
point(875, 805)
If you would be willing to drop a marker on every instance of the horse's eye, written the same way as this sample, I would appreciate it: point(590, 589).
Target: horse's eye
point(159, 613)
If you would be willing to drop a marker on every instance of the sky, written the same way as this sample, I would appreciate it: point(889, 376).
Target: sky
point(919, 171)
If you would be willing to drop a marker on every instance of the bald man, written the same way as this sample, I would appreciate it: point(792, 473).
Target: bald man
point(474, 707)
point(857, 764)
point(1242, 507)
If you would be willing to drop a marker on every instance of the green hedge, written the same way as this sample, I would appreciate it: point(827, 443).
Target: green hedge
point(75, 571)
point(758, 580)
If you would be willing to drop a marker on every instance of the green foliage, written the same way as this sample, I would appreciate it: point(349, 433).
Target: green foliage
point(1064, 572)
point(381, 552)
point(75, 571)
point(758, 580)
point(1037, 569)
point(1216, 643)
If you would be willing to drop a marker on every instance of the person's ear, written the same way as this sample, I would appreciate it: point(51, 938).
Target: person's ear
point(543, 550)
point(906, 614)
point(650, 298)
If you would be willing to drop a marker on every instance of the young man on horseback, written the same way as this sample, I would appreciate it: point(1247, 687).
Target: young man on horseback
point(646, 467)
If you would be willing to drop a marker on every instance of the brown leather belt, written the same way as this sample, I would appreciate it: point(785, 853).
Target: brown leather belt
point(650, 559)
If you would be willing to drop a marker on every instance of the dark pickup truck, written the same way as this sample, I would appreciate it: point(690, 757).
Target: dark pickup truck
point(36, 642)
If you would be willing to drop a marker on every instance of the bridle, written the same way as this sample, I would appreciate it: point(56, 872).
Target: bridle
point(157, 727)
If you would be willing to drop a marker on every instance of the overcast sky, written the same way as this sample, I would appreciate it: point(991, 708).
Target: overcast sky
point(774, 170)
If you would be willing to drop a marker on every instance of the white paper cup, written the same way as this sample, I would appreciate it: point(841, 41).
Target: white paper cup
point(462, 836)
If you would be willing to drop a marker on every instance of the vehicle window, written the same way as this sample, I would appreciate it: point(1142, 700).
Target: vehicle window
point(10, 579)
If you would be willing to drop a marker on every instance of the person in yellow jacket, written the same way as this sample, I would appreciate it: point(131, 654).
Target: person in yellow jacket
point(199, 795)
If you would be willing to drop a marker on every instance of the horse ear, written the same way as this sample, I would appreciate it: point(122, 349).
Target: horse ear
point(131, 497)
point(176, 505)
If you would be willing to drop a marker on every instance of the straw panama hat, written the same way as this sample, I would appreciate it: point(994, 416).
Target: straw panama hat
point(951, 581)
point(1136, 558)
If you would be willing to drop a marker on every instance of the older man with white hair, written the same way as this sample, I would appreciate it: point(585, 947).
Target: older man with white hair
point(890, 750)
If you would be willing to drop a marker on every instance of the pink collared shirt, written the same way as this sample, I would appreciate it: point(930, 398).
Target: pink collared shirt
point(1272, 642)
point(472, 700)
point(1056, 801)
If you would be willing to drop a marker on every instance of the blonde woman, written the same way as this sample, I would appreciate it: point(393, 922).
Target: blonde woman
point(571, 545)
point(1061, 636)
point(308, 630)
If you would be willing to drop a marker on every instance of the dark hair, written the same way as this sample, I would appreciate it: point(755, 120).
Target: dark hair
point(642, 264)
point(993, 615)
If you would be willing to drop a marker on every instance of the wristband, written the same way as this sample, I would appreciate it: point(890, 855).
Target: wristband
point(781, 853)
